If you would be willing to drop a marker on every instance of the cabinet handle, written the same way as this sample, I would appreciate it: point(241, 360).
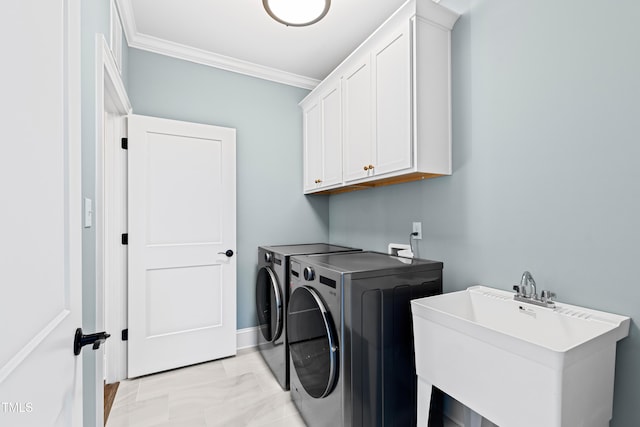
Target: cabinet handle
point(370, 167)
point(318, 181)
point(366, 168)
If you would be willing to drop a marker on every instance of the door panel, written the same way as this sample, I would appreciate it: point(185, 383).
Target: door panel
point(175, 163)
point(40, 222)
point(312, 147)
point(331, 137)
point(392, 88)
point(358, 126)
point(182, 286)
point(167, 303)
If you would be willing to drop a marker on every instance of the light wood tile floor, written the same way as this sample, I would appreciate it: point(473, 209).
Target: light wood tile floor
point(235, 392)
point(238, 391)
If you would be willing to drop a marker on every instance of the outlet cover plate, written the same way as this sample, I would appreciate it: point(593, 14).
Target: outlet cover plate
point(417, 228)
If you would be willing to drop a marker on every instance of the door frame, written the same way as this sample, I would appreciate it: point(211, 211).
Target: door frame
point(111, 97)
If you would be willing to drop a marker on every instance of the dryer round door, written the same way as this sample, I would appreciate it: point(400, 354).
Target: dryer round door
point(312, 342)
point(269, 304)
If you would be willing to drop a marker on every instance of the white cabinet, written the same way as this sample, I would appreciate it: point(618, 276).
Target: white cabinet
point(312, 146)
point(359, 153)
point(391, 58)
point(322, 123)
point(395, 119)
point(377, 109)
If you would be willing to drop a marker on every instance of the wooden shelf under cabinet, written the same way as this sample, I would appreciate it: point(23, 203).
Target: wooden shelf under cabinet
point(415, 176)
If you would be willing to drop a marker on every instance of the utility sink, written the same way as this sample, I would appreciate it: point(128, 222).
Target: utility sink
point(514, 363)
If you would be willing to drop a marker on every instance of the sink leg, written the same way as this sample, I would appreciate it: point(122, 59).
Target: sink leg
point(424, 402)
point(471, 418)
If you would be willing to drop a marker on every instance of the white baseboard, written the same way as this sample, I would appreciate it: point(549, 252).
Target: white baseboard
point(246, 338)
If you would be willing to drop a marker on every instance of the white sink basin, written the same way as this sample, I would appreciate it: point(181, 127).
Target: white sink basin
point(514, 363)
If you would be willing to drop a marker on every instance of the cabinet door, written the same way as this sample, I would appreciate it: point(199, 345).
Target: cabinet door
point(358, 120)
point(312, 146)
point(331, 137)
point(392, 102)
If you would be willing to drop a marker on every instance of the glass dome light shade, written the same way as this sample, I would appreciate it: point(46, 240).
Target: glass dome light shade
point(297, 13)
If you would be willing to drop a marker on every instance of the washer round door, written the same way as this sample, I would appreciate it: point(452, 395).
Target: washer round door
point(312, 342)
point(269, 304)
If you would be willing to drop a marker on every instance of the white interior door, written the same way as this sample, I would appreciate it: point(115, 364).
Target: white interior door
point(182, 220)
point(40, 219)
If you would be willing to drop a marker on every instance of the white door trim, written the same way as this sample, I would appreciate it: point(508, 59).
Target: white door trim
point(111, 97)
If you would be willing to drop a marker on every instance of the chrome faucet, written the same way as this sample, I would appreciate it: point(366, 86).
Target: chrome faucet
point(526, 292)
point(528, 285)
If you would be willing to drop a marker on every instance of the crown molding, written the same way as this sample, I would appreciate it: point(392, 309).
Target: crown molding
point(175, 50)
point(126, 16)
point(199, 56)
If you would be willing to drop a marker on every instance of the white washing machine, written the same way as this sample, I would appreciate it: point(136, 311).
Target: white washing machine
point(350, 338)
point(272, 293)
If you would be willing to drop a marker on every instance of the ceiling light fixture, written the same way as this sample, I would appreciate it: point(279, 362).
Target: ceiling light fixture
point(297, 13)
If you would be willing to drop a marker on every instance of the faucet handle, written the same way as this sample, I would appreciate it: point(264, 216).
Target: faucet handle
point(547, 296)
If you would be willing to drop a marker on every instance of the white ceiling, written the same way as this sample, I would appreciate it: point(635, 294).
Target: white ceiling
point(238, 35)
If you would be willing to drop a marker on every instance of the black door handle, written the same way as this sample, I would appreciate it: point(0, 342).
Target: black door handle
point(80, 340)
point(228, 253)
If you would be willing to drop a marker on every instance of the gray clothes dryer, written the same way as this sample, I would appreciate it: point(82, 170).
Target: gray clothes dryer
point(272, 292)
point(350, 337)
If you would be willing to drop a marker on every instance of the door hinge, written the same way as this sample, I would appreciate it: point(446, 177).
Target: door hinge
point(124, 143)
point(125, 238)
point(125, 334)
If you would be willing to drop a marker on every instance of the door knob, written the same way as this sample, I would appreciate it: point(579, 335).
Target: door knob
point(80, 340)
point(228, 253)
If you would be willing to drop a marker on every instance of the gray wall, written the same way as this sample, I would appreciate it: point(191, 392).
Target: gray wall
point(546, 125)
point(270, 206)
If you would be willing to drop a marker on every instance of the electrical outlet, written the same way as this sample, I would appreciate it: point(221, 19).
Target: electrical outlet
point(417, 228)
